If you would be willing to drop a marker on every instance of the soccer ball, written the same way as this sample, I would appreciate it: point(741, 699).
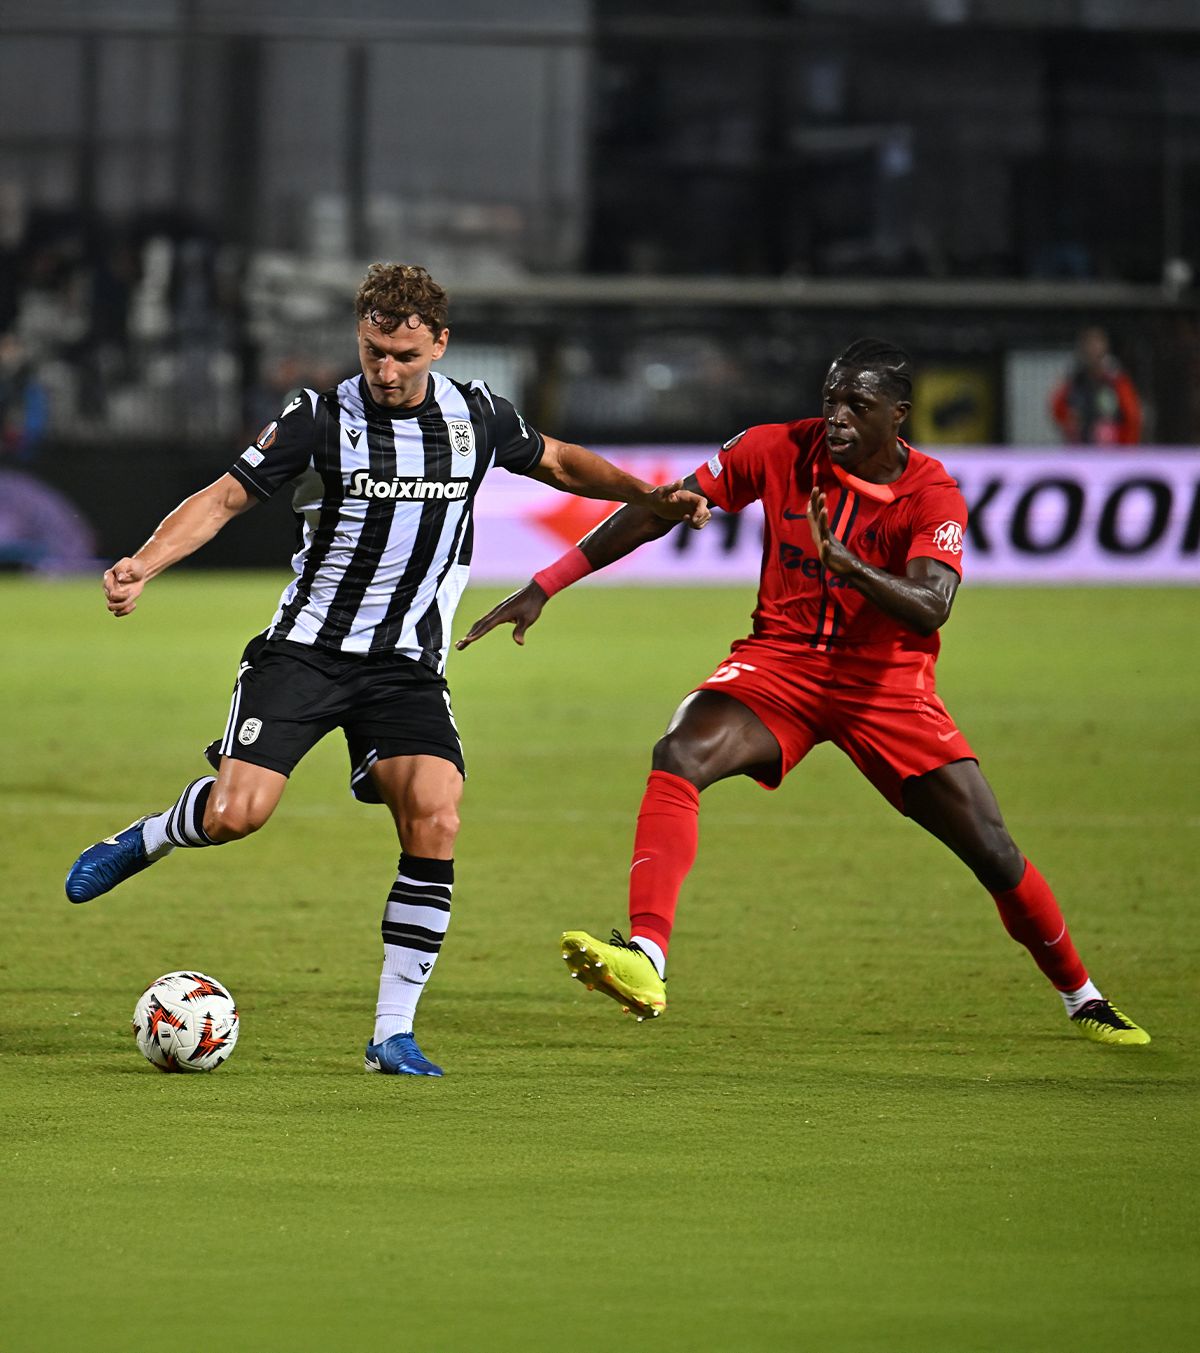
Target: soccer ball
point(185, 1022)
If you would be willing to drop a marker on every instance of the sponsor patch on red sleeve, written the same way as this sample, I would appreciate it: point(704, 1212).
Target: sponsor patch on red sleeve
point(948, 538)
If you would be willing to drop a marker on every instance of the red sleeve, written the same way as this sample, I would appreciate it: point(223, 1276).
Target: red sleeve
point(735, 476)
point(1060, 408)
point(1131, 410)
point(939, 523)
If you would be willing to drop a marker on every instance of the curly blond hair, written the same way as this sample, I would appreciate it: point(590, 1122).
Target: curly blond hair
point(392, 294)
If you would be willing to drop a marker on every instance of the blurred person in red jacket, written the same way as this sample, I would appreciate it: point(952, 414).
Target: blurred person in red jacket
point(1097, 404)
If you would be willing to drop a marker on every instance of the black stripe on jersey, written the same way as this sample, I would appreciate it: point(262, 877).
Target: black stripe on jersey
point(818, 634)
point(327, 460)
point(482, 465)
point(372, 538)
point(412, 937)
point(430, 633)
point(439, 465)
point(843, 533)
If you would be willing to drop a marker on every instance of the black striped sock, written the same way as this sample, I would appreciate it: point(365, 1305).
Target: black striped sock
point(183, 823)
point(414, 925)
point(416, 916)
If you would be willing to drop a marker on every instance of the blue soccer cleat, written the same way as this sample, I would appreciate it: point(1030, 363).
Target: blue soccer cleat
point(399, 1056)
point(109, 862)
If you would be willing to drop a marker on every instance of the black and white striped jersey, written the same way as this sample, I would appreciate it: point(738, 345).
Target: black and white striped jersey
point(385, 498)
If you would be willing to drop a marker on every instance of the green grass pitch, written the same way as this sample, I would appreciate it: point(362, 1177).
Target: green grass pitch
point(863, 1124)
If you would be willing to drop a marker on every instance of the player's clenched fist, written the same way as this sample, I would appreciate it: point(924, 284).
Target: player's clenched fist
point(123, 585)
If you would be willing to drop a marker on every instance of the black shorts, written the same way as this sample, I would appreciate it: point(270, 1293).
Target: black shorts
point(288, 696)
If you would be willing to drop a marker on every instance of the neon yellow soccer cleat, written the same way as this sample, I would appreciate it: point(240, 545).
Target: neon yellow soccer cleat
point(1104, 1023)
point(618, 969)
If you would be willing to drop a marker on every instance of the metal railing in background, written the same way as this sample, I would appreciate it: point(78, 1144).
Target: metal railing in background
point(656, 359)
point(183, 223)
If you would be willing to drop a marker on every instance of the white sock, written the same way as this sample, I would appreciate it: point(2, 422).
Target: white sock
point(398, 999)
point(182, 824)
point(414, 925)
point(154, 838)
point(653, 952)
point(1077, 999)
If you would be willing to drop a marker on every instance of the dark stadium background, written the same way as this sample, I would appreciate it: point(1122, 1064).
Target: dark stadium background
point(865, 1125)
point(656, 221)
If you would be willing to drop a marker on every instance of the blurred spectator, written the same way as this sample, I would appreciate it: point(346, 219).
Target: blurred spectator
point(283, 377)
point(24, 404)
point(52, 304)
point(265, 397)
point(12, 239)
point(1097, 404)
point(103, 354)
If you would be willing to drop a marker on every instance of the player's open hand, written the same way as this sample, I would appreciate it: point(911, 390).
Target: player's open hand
point(833, 554)
point(123, 585)
point(520, 610)
point(673, 502)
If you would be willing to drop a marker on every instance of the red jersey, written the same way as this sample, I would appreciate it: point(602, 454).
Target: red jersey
point(921, 515)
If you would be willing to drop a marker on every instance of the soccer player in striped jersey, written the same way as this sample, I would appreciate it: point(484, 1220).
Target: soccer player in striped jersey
point(383, 471)
point(862, 557)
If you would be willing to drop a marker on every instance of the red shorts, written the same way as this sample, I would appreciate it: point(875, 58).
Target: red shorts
point(887, 719)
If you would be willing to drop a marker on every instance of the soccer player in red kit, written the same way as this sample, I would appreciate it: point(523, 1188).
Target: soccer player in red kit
point(862, 556)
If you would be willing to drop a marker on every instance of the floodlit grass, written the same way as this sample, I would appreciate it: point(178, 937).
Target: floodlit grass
point(864, 1123)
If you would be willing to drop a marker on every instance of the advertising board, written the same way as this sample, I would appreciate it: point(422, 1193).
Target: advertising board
point(1062, 516)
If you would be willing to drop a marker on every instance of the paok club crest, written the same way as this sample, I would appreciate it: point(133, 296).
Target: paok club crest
point(462, 436)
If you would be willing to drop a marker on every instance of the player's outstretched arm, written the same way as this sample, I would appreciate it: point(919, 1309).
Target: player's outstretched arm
point(192, 524)
point(575, 469)
point(519, 609)
point(615, 537)
point(921, 599)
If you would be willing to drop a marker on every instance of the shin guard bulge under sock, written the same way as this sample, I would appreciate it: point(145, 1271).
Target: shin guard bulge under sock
point(664, 850)
point(1032, 917)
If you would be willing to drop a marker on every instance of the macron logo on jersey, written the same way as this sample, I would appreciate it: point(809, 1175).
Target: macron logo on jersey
point(397, 489)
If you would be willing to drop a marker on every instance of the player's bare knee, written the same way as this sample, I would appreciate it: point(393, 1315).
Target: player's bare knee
point(232, 820)
point(999, 863)
point(678, 754)
point(431, 833)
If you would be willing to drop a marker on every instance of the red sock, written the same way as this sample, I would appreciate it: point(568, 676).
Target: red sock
point(664, 849)
point(1031, 916)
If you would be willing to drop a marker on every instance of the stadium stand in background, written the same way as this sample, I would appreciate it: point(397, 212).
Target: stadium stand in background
point(653, 227)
